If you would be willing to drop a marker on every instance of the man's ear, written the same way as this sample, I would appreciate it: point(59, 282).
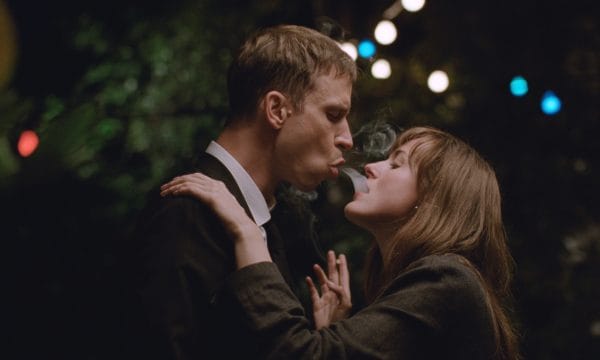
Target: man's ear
point(276, 108)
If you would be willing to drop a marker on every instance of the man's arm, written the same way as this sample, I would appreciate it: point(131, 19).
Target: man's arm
point(179, 267)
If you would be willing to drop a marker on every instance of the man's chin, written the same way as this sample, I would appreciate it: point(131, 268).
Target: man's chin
point(307, 186)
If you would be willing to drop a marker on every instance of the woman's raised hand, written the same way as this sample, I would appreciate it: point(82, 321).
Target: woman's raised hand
point(215, 194)
point(334, 303)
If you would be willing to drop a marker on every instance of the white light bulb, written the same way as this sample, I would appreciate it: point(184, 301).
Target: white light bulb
point(385, 32)
point(413, 5)
point(349, 49)
point(381, 69)
point(438, 81)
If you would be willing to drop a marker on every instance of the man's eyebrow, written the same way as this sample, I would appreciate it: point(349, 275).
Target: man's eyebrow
point(338, 107)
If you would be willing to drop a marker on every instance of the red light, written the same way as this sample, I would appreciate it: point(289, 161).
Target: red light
point(28, 142)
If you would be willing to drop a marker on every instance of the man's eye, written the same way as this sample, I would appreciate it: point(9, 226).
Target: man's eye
point(334, 116)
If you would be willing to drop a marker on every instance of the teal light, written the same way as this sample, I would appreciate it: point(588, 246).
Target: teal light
point(518, 86)
point(366, 49)
point(550, 103)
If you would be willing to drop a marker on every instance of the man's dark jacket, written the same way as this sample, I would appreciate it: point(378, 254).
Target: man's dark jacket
point(181, 258)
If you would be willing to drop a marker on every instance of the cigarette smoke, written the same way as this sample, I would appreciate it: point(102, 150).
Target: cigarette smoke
point(372, 142)
point(359, 181)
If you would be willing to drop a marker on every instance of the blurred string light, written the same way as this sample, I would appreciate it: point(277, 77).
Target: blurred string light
point(385, 32)
point(28, 143)
point(393, 11)
point(366, 49)
point(381, 69)
point(550, 103)
point(413, 5)
point(350, 49)
point(438, 81)
point(518, 86)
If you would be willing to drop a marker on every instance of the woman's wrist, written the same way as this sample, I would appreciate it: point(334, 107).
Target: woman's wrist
point(245, 231)
point(250, 245)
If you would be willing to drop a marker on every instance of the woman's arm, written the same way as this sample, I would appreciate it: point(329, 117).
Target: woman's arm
point(435, 310)
point(250, 247)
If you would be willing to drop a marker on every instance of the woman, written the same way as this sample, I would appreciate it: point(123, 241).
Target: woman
point(438, 274)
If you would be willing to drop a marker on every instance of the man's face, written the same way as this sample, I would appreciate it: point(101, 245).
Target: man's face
point(310, 143)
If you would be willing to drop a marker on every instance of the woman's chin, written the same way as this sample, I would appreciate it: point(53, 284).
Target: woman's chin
point(352, 215)
point(348, 213)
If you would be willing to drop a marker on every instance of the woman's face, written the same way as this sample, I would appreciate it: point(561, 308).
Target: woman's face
point(392, 192)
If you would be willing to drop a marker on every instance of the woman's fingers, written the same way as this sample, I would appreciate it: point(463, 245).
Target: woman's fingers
point(314, 294)
point(337, 289)
point(322, 277)
point(195, 184)
point(332, 267)
point(195, 178)
point(344, 273)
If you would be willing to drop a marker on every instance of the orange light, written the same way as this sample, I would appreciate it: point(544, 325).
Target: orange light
point(28, 142)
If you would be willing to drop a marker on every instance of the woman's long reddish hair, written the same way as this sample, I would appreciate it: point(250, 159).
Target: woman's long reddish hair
point(459, 212)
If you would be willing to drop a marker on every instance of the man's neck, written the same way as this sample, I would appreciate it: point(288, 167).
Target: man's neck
point(252, 149)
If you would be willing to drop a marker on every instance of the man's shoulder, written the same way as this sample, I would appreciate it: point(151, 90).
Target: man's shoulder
point(174, 215)
point(157, 205)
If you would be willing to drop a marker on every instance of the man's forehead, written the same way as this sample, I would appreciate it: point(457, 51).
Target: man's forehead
point(334, 91)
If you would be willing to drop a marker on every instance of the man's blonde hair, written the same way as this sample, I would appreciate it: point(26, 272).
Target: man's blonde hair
point(285, 58)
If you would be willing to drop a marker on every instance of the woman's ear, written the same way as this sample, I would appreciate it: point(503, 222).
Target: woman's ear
point(276, 108)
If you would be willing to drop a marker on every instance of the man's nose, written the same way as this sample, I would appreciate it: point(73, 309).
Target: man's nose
point(344, 138)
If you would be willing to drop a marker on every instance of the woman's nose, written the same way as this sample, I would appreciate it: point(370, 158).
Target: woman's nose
point(370, 170)
point(375, 169)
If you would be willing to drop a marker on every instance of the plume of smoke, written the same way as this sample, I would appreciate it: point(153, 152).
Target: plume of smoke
point(372, 143)
point(359, 181)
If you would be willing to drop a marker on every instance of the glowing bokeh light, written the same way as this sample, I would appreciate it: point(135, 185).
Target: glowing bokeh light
point(518, 86)
point(366, 49)
point(438, 81)
point(381, 69)
point(350, 49)
point(550, 103)
point(413, 5)
point(385, 32)
point(28, 143)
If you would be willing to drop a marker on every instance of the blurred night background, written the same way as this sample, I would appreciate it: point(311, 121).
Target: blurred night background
point(121, 94)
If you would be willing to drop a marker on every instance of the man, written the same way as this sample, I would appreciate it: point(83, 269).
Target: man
point(290, 94)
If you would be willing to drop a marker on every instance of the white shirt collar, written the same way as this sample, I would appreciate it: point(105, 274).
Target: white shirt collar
point(254, 198)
